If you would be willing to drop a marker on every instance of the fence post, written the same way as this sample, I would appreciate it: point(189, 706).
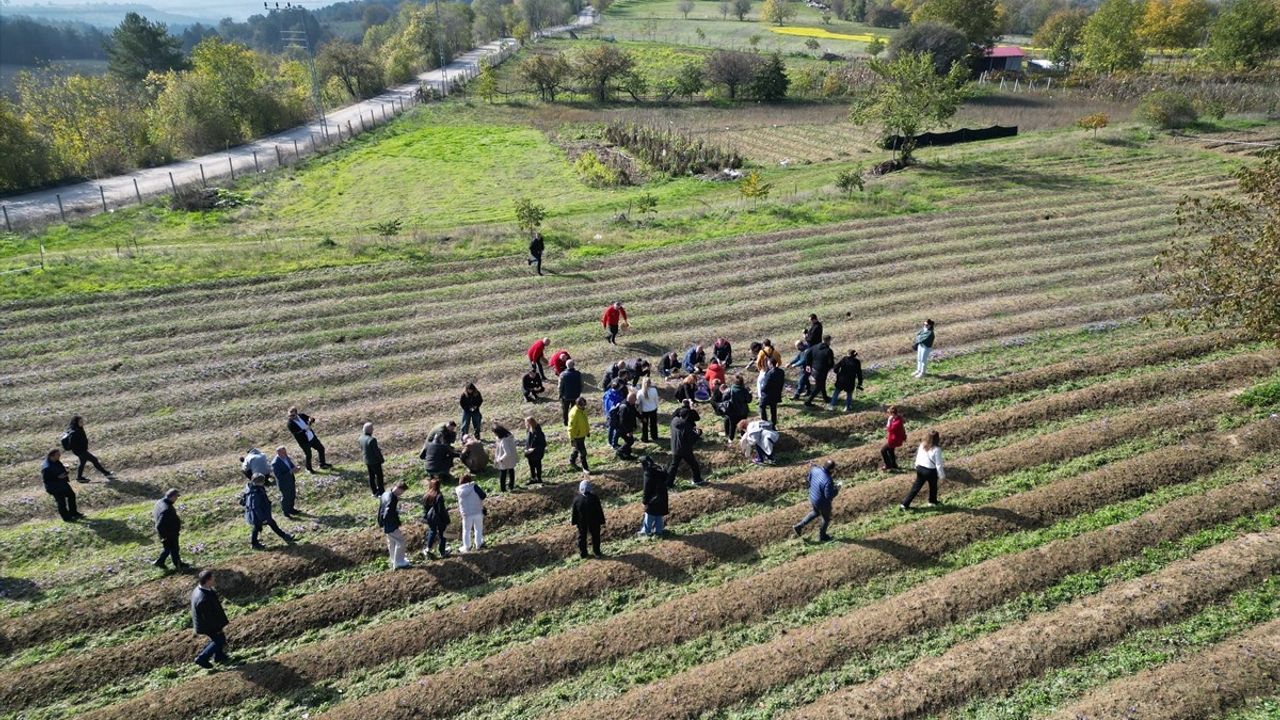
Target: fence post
point(136, 192)
point(296, 156)
point(350, 133)
point(8, 227)
point(103, 194)
point(61, 211)
point(233, 168)
point(362, 127)
point(173, 184)
point(279, 162)
point(313, 142)
point(256, 169)
point(203, 182)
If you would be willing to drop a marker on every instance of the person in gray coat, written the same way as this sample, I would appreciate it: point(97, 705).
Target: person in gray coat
point(372, 459)
point(209, 619)
point(257, 511)
point(168, 525)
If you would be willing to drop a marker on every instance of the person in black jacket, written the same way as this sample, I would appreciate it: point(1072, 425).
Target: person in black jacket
point(813, 331)
point(774, 385)
point(302, 428)
point(165, 518)
point(669, 364)
point(446, 431)
point(570, 389)
point(588, 517)
point(655, 499)
point(628, 419)
point(736, 406)
point(373, 459)
point(821, 360)
point(535, 448)
point(257, 512)
point(77, 441)
point(209, 619)
point(684, 436)
point(389, 521)
point(723, 352)
point(436, 516)
point(532, 386)
point(536, 246)
point(438, 456)
point(470, 403)
point(848, 378)
point(56, 482)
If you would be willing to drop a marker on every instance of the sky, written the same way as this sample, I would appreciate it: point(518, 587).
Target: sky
point(204, 10)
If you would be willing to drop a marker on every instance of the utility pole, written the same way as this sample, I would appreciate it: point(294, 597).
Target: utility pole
point(300, 40)
point(444, 76)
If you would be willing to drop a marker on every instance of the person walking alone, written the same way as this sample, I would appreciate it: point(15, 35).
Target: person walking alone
point(537, 355)
point(848, 378)
point(257, 512)
point(470, 403)
point(579, 429)
point(209, 619)
point(684, 436)
point(895, 435)
point(924, 348)
point(436, 516)
point(821, 360)
point(614, 318)
point(283, 468)
point(504, 457)
point(570, 389)
point(471, 506)
point(168, 526)
point(57, 483)
point(535, 448)
point(647, 403)
point(536, 246)
point(655, 499)
point(587, 515)
point(389, 521)
point(929, 469)
point(302, 427)
point(822, 491)
point(373, 459)
point(76, 440)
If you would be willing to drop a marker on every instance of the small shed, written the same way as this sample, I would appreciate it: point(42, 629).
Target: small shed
point(1004, 59)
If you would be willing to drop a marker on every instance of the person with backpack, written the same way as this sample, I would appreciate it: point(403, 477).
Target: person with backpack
point(822, 491)
point(531, 385)
point(209, 619)
point(614, 318)
point(436, 516)
point(736, 406)
point(669, 364)
point(570, 389)
point(695, 359)
point(722, 351)
point(773, 384)
point(624, 418)
point(504, 457)
point(587, 514)
point(471, 506)
point(821, 360)
point(536, 246)
point(684, 437)
point(389, 521)
point(848, 377)
point(613, 397)
point(373, 459)
point(438, 456)
point(537, 355)
point(654, 498)
point(768, 353)
point(302, 428)
point(924, 348)
point(535, 448)
point(283, 468)
point(758, 439)
point(164, 516)
point(470, 403)
point(929, 469)
point(895, 436)
point(76, 440)
point(257, 511)
point(57, 483)
point(579, 429)
point(255, 462)
point(647, 404)
point(813, 331)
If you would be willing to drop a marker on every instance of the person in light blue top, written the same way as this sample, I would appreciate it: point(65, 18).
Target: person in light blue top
point(822, 491)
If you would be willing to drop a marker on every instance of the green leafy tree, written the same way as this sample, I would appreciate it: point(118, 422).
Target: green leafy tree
point(487, 84)
point(94, 125)
point(977, 20)
point(741, 8)
point(1232, 279)
point(732, 69)
point(770, 81)
point(529, 215)
point(909, 98)
point(944, 43)
point(353, 66)
point(690, 79)
point(849, 180)
point(1175, 23)
point(24, 156)
point(753, 187)
point(139, 47)
point(600, 65)
point(777, 11)
point(1245, 35)
point(1166, 110)
point(546, 73)
point(1111, 39)
point(1061, 36)
point(876, 46)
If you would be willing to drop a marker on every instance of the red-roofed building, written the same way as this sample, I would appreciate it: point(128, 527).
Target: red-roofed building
point(1003, 58)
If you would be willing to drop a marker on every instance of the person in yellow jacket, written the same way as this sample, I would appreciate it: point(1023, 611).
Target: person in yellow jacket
point(579, 429)
point(768, 353)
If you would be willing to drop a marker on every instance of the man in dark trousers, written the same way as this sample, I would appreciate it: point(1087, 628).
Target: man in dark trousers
point(372, 459)
point(209, 619)
point(848, 379)
point(283, 469)
point(813, 331)
point(684, 436)
point(57, 483)
point(570, 389)
point(536, 246)
point(588, 517)
point(628, 418)
point(76, 440)
point(775, 383)
point(257, 512)
point(822, 490)
point(821, 360)
point(438, 456)
point(614, 318)
point(168, 525)
point(303, 430)
point(537, 355)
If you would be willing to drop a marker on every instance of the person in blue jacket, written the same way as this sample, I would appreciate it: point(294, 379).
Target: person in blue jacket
point(284, 468)
point(257, 511)
point(822, 490)
point(613, 396)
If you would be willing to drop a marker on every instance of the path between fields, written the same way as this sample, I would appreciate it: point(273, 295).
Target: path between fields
point(82, 199)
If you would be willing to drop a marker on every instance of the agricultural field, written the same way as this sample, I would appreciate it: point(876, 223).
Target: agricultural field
point(1108, 520)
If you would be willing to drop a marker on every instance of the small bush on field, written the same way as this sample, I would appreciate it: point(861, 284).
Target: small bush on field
point(596, 173)
point(529, 215)
point(849, 180)
point(1166, 110)
point(387, 228)
point(1093, 122)
point(208, 199)
point(1264, 394)
point(754, 187)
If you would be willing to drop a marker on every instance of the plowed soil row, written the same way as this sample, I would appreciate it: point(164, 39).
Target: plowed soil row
point(805, 651)
point(1000, 660)
point(752, 486)
point(668, 561)
point(1204, 685)
point(799, 581)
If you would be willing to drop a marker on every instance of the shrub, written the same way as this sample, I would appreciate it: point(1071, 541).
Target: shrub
point(754, 187)
point(387, 228)
point(1093, 122)
point(1166, 110)
point(945, 43)
point(670, 152)
point(596, 173)
point(529, 215)
point(849, 180)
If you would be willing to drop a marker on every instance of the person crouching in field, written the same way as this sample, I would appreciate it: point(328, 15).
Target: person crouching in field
point(588, 517)
point(436, 516)
point(531, 385)
point(929, 469)
point(822, 491)
point(669, 364)
point(537, 355)
point(895, 436)
point(758, 439)
point(389, 521)
point(471, 505)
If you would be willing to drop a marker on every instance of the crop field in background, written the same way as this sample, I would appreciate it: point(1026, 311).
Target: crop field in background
point(1109, 515)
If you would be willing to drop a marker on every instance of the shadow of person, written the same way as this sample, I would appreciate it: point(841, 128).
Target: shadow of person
point(115, 531)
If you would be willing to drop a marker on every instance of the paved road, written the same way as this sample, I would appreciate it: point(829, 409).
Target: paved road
point(285, 148)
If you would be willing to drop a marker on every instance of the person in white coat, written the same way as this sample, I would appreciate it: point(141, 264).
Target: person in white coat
point(471, 505)
point(504, 456)
point(647, 405)
point(758, 439)
point(929, 469)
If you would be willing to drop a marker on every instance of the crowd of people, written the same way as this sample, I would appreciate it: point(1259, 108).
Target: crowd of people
point(630, 402)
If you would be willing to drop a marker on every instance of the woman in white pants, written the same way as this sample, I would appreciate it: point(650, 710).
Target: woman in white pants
point(924, 348)
point(471, 504)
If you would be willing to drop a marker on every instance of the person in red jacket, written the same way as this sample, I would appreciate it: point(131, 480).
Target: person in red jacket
point(538, 355)
point(895, 436)
point(715, 371)
point(558, 360)
point(615, 316)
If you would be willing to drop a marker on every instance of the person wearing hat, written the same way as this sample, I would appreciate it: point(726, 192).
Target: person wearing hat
point(614, 317)
point(588, 517)
point(168, 525)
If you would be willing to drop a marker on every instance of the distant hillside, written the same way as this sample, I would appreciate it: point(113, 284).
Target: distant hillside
point(109, 15)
